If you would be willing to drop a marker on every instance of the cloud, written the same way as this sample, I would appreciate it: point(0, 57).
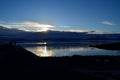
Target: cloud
point(92, 32)
point(78, 30)
point(29, 26)
point(108, 23)
point(5, 25)
point(72, 30)
point(102, 32)
point(35, 24)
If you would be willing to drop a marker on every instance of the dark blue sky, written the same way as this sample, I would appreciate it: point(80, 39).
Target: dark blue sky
point(98, 15)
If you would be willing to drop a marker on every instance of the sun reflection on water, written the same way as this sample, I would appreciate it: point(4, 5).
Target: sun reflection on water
point(46, 49)
point(44, 52)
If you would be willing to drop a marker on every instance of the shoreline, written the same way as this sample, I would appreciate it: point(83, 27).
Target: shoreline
point(17, 62)
point(112, 46)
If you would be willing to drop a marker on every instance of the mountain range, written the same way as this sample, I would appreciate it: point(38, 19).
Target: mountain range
point(16, 34)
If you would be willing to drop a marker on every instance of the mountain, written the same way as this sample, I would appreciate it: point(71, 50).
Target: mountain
point(9, 33)
point(15, 34)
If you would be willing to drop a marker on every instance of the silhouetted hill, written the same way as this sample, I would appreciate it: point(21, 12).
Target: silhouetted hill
point(15, 34)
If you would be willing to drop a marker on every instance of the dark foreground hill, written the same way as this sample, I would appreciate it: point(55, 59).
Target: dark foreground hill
point(17, 63)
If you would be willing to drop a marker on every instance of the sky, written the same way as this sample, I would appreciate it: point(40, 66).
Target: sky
point(63, 15)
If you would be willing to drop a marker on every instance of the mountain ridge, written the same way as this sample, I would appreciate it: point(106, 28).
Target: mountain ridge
point(15, 34)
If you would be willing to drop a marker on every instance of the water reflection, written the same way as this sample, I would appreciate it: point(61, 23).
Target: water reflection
point(67, 49)
point(46, 51)
point(43, 51)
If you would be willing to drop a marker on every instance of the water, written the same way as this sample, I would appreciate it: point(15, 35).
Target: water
point(57, 49)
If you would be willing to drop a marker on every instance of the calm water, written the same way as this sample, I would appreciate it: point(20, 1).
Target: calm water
point(46, 49)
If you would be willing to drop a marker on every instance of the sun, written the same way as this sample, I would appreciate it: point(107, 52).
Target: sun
point(45, 29)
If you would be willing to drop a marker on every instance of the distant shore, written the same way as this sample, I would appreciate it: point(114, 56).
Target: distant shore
point(112, 46)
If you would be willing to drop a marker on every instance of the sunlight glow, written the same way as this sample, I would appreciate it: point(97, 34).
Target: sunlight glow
point(44, 52)
point(28, 26)
point(45, 29)
point(40, 27)
point(45, 43)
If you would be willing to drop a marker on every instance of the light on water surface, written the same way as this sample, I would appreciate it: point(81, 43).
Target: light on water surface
point(46, 49)
point(43, 52)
